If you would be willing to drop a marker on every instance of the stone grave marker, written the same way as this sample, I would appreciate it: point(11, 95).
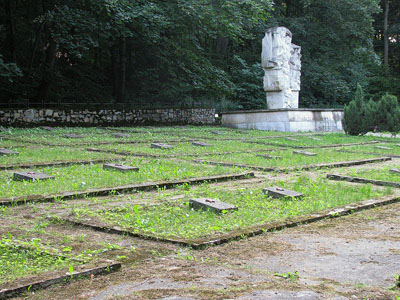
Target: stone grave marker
point(211, 204)
point(48, 128)
point(72, 136)
point(278, 192)
point(315, 139)
point(31, 176)
point(394, 170)
point(304, 153)
point(161, 146)
point(291, 139)
point(120, 167)
point(120, 135)
point(382, 147)
point(217, 132)
point(4, 151)
point(201, 144)
point(267, 156)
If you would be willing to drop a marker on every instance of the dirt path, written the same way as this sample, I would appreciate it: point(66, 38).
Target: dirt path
point(352, 257)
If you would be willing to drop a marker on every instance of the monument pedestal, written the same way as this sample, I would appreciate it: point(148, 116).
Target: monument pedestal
point(286, 119)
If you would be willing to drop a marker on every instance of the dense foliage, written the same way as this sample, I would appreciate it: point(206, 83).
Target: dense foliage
point(189, 52)
point(361, 116)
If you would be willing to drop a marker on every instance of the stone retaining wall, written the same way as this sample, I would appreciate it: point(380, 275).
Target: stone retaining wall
point(86, 117)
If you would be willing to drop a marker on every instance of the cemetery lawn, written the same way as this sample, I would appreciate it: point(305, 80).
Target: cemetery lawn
point(178, 220)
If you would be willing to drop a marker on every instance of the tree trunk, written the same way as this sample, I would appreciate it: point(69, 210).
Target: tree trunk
point(114, 66)
point(47, 71)
point(122, 69)
point(385, 34)
point(11, 31)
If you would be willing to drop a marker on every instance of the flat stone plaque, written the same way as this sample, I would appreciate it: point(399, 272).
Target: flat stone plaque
point(7, 151)
point(304, 153)
point(120, 167)
point(211, 204)
point(217, 132)
point(201, 144)
point(120, 135)
point(31, 176)
point(48, 128)
point(292, 139)
point(267, 156)
point(382, 147)
point(278, 192)
point(161, 146)
point(72, 136)
point(394, 170)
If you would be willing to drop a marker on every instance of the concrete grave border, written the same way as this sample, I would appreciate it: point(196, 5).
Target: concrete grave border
point(362, 180)
point(251, 231)
point(298, 168)
point(52, 280)
point(120, 189)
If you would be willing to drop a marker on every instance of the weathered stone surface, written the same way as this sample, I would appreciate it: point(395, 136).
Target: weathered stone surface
point(304, 153)
point(280, 60)
point(161, 146)
point(211, 204)
point(4, 151)
point(382, 147)
point(201, 144)
point(267, 156)
point(120, 167)
point(278, 192)
point(31, 176)
point(72, 136)
point(394, 170)
point(120, 135)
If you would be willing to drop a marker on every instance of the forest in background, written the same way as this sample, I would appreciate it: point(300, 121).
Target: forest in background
point(191, 53)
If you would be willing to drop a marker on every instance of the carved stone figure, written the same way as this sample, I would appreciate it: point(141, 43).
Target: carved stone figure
point(280, 60)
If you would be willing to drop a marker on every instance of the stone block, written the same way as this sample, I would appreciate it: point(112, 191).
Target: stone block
point(120, 167)
point(201, 144)
point(120, 135)
point(211, 204)
point(72, 136)
point(278, 192)
point(306, 153)
point(292, 139)
point(161, 146)
point(267, 156)
point(7, 152)
point(315, 138)
point(31, 176)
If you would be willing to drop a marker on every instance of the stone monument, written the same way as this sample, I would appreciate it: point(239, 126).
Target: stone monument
point(280, 60)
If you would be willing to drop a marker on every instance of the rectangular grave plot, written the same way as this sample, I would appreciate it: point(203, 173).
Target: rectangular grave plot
point(304, 153)
point(211, 204)
point(201, 144)
point(267, 156)
point(72, 136)
point(120, 167)
point(31, 176)
point(7, 152)
point(278, 192)
point(120, 135)
point(161, 146)
point(382, 147)
point(395, 170)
